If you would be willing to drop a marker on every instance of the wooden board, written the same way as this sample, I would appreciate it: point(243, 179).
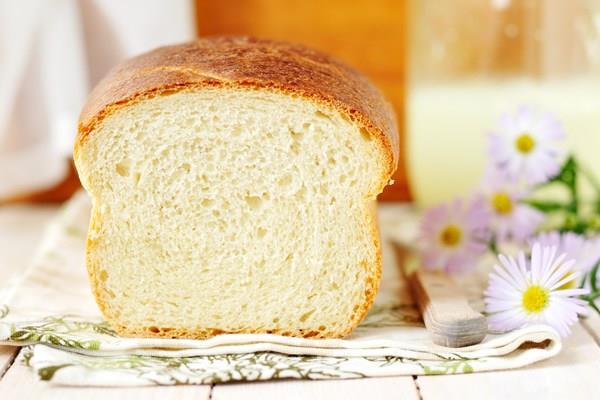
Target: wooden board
point(570, 375)
point(359, 389)
point(21, 229)
point(20, 383)
point(592, 325)
point(7, 356)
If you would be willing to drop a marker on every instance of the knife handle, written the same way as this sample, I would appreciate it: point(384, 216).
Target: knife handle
point(446, 312)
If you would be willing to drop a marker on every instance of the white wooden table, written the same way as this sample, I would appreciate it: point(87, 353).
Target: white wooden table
point(573, 374)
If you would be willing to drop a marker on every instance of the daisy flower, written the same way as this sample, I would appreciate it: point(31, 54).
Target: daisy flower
point(454, 235)
point(510, 218)
point(585, 251)
point(523, 292)
point(525, 145)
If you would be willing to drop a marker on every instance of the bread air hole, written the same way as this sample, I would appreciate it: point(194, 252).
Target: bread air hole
point(306, 315)
point(296, 135)
point(301, 193)
point(320, 114)
point(103, 275)
point(254, 202)
point(284, 180)
point(207, 202)
point(122, 168)
point(365, 134)
point(295, 148)
point(237, 131)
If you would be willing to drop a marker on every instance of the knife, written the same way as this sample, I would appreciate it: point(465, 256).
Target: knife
point(444, 306)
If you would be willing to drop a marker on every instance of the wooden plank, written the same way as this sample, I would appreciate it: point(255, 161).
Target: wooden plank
point(592, 325)
point(570, 375)
point(7, 356)
point(20, 383)
point(21, 229)
point(369, 388)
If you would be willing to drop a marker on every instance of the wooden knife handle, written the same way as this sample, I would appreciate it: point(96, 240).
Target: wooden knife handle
point(446, 312)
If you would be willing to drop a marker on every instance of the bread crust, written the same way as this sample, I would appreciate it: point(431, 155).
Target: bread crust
point(252, 64)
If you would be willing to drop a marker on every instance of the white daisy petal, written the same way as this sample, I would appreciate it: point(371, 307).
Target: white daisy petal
point(570, 292)
point(562, 272)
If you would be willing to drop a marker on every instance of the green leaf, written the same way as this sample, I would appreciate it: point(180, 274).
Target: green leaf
point(546, 206)
point(568, 173)
point(568, 177)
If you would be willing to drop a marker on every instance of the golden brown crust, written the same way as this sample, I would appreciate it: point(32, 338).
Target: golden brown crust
point(245, 63)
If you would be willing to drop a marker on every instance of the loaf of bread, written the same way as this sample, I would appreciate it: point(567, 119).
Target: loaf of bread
point(233, 183)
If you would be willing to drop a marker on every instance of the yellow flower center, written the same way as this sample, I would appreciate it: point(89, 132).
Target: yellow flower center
point(502, 203)
point(451, 235)
point(525, 143)
point(535, 299)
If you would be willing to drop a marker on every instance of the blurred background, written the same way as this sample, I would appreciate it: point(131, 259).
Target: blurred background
point(450, 68)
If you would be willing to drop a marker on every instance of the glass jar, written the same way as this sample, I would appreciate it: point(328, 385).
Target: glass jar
point(472, 60)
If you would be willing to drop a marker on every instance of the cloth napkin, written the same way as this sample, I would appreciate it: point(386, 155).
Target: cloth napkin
point(50, 310)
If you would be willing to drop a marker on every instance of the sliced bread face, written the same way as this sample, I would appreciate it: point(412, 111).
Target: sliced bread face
point(232, 209)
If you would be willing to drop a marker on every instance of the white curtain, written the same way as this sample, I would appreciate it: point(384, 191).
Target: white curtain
point(52, 52)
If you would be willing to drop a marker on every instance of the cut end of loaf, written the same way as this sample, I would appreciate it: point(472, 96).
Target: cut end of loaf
point(223, 210)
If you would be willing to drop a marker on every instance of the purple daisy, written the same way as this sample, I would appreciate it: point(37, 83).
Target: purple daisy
point(454, 235)
point(585, 251)
point(510, 218)
point(525, 145)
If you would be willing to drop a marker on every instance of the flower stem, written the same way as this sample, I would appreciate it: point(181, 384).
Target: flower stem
point(583, 280)
point(493, 246)
point(591, 297)
point(593, 277)
point(594, 306)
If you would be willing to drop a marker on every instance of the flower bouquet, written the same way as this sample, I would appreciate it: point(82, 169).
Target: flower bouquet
point(548, 250)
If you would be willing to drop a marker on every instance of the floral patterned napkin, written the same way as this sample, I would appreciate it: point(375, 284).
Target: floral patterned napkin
point(51, 311)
